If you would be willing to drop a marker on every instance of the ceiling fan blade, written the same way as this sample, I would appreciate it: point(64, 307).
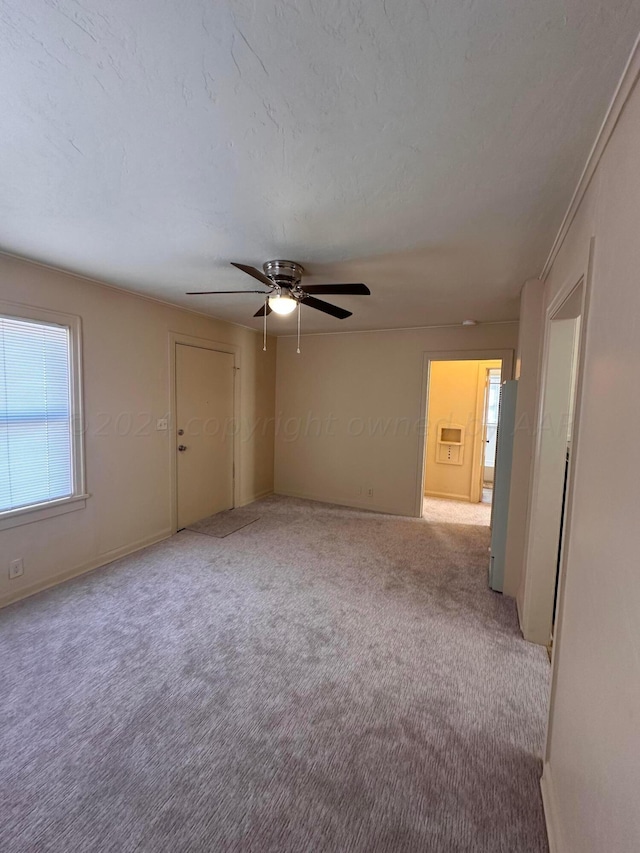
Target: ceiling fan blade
point(320, 305)
point(254, 272)
point(210, 292)
point(336, 289)
point(260, 313)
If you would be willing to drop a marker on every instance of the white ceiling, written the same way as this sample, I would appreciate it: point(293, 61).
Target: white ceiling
point(428, 147)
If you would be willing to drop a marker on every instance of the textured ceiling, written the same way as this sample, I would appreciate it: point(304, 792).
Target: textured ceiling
point(428, 148)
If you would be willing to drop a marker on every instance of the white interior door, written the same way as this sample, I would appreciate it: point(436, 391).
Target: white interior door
point(489, 375)
point(490, 423)
point(204, 440)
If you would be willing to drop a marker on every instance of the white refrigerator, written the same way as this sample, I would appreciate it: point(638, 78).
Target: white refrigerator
point(502, 483)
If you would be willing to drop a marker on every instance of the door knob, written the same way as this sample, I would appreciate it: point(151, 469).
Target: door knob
point(182, 448)
point(180, 432)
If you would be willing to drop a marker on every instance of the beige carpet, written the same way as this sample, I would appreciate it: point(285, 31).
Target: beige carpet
point(325, 679)
point(442, 511)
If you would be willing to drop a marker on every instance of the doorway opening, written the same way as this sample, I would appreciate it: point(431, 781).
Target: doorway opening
point(460, 443)
point(549, 502)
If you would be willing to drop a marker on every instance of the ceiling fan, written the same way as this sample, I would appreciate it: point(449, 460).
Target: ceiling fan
point(285, 293)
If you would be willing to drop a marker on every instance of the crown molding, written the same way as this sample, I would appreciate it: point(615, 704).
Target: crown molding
point(621, 95)
point(13, 256)
point(405, 329)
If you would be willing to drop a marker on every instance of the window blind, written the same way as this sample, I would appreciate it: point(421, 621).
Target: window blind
point(35, 413)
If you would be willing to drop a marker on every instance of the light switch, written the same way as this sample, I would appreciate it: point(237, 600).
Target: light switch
point(162, 423)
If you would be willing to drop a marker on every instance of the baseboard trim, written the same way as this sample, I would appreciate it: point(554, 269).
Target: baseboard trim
point(342, 501)
point(83, 568)
point(257, 497)
point(550, 814)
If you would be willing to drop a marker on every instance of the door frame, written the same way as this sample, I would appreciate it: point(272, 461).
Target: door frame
point(507, 358)
point(563, 294)
point(540, 572)
point(526, 602)
point(217, 346)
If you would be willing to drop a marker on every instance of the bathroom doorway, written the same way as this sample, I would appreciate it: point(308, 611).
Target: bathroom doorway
point(460, 444)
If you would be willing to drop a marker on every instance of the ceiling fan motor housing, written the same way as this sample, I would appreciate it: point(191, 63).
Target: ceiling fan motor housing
point(284, 273)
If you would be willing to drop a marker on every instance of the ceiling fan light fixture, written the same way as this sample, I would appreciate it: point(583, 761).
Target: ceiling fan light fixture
point(282, 303)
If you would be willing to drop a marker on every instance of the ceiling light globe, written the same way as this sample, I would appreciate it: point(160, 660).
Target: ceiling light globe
point(282, 304)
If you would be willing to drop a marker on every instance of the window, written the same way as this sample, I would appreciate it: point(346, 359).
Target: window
point(40, 447)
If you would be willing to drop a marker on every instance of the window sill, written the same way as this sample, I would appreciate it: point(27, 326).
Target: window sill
point(38, 512)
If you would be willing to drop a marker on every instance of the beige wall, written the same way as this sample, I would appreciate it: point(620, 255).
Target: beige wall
point(527, 373)
point(351, 412)
point(592, 773)
point(456, 396)
point(126, 372)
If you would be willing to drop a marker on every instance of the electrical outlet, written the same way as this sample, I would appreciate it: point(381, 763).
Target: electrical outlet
point(162, 423)
point(370, 492)
point(16, 568)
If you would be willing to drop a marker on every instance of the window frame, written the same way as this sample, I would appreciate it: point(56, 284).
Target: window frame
point(77, 499)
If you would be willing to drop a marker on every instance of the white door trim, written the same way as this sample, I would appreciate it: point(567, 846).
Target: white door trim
point(573, 466)
point(202, 343)
point(507, 358)
point(527, 604)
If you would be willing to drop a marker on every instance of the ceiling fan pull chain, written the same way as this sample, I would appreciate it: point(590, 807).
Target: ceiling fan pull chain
point(299, 310)
point(264, 336)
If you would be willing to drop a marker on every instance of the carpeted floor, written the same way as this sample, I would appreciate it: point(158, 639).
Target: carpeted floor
point(325, 679)
point(223, 524)
point(443, 511)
